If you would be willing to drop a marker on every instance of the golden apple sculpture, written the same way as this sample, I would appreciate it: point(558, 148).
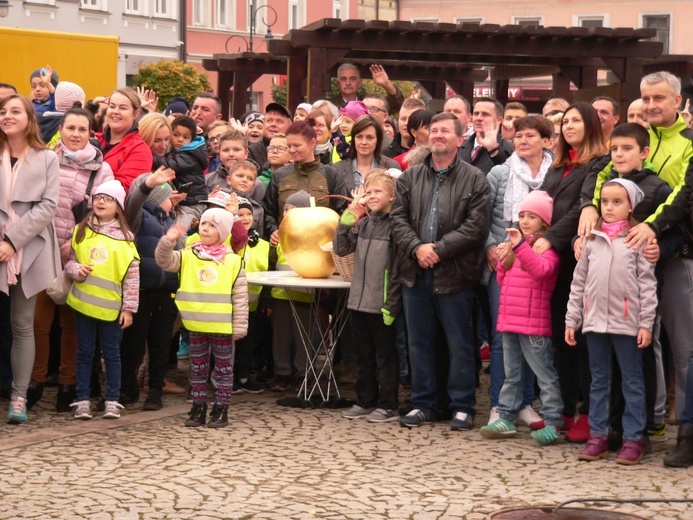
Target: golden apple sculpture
point(301, 233)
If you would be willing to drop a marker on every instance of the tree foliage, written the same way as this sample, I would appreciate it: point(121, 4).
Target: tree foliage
point(172, 78)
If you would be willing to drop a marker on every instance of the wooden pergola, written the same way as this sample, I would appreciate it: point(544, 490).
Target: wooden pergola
point(438, 53)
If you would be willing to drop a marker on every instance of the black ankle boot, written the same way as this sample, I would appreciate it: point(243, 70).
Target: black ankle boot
point(682, 456)
point(33, 394)
point(197, 416)
point(154, 400)
point(66, 396)
point(219, 416)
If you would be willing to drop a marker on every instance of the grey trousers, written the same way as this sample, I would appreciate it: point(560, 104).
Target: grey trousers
point(285, 332)
point(23, 344)
point(677, 316)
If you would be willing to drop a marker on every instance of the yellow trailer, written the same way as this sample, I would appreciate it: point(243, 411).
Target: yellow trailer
point(90, 61)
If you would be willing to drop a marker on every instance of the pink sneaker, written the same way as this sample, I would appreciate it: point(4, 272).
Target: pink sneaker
point(597, 448)
point(630, 453)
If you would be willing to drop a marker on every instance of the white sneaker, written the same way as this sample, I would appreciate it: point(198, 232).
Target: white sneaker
point(112, 410)
point(528, 416)
point(493, 416)
point(357, 412)
point(82, 410)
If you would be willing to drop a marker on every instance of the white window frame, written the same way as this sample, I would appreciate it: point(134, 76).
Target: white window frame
point(670, 14)
point(339, 10)
point(94, 5)
point(141, 7)
point(168, 9)
point(202, 20)
point(430, 19)
point(300, 19)
point(220, 21)
point(515, 20)
point(580, 17)
point(469, 19)
point(44, 2)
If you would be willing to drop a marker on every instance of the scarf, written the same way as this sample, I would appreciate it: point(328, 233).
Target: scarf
point(520, 183)
point(217, 252)
point(613, 229)
point(14, 264)
point(79, 157)
point(324, 147)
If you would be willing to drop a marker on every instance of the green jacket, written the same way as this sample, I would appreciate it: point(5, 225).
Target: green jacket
point(671, 151)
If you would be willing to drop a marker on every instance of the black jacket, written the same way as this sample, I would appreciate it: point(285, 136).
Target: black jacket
point(462, 229)
point(189, 164)
point(484, 161)
point(565, 192)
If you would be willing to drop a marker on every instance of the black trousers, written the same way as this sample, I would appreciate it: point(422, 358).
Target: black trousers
point(377, 363)
point(152, 326)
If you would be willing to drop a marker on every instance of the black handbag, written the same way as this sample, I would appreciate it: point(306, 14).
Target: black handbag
point(80, 210)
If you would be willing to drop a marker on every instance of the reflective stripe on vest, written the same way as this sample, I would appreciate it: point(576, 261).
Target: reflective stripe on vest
point(100, 295)
point(256, 259)
point(204, 298)
point(283, 293)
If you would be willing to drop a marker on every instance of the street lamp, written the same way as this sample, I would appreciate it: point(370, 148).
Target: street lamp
point(249, 44)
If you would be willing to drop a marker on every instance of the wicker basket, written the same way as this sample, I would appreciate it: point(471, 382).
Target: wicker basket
point(344, 265)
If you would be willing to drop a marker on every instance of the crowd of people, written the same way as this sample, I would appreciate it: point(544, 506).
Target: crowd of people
point(561, 239)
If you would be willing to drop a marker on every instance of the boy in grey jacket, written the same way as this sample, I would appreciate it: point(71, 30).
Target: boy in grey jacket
point(373, 299)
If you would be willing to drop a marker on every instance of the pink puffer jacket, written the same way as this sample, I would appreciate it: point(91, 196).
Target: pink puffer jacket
point(525, 299)
point(74, 177)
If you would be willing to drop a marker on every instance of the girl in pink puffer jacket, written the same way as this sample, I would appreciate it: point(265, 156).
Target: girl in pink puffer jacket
point(527, 281)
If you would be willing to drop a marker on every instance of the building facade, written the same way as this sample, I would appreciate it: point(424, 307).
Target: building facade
point(223, 26)
point(149, 30)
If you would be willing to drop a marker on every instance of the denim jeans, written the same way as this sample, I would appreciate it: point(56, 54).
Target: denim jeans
point(629, 358)
point(423, 309)
point(402, 349)
point(523, 355)
point(497, 369)
point(109, 336)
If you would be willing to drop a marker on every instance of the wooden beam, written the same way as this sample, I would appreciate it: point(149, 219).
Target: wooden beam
point(317, 72)
point(560, 86)
point(500, 89)
point(296, 73)
point(224, 82)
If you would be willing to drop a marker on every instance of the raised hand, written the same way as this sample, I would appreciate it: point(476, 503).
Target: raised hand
point(160, 176)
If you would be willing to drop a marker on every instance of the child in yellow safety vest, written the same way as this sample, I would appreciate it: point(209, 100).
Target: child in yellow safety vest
point(213, 304)
point(286, 329)
point(104, 265)
point(255, 257)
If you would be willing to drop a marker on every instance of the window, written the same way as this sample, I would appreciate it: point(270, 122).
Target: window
point(134, 7)
point(99, 5)
point(296, 14)
point(661, 22)
point(592, 20)
point(432, 19)
point(338, 10)
point(473, 21)
point(198, 12)
point(221, 13)
point(528, 21)
point(162, 8)
point(260, 14)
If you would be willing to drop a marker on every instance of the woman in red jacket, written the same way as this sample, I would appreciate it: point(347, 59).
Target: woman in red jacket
point(121, 144)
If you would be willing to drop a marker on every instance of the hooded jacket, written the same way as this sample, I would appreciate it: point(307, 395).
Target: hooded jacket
point(614, 289)
point(189, 162)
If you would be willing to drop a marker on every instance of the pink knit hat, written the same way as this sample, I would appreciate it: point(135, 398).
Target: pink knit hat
point(354, 110)
point(540, 203)
point(220, 219)
point(66, 94)
point(112, 189)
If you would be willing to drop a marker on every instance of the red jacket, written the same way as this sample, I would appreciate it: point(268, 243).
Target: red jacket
point(129, 159)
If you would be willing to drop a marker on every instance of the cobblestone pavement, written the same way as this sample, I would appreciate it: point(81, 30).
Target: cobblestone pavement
point(274, 462)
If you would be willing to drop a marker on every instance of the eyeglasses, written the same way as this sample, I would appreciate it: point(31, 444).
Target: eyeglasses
point(102, 198)
point(214, 139)
point(375, 110)
point(280, 149)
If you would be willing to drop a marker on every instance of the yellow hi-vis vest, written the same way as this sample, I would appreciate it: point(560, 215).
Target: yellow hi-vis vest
point(100, 295)
point(204, 296)
point(255, 259)
point(284, 293)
